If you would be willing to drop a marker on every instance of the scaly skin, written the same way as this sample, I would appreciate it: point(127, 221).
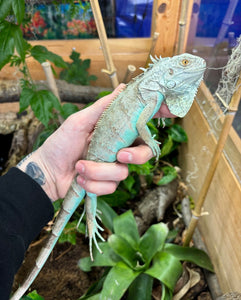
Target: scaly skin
point(171, 80)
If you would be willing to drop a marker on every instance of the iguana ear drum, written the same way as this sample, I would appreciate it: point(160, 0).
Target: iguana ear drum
point(171, 84)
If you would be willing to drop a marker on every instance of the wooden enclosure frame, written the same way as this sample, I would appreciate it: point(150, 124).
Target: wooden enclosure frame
point(220, 224)
point(221, 229)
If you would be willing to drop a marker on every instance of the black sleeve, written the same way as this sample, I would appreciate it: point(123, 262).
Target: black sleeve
point(24, 210)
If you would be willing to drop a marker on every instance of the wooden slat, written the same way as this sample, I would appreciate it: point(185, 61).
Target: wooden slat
point(124, 52)
point(165, 22)
point(6, 107)
point(221, 229)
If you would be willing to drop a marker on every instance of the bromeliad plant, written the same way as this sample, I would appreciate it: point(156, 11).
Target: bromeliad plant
point(134, 262)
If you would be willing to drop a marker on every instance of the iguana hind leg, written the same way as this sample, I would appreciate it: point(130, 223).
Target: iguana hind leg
point(91, 220)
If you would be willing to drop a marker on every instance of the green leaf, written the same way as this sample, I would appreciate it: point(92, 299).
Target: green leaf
point(170, 173)
point(193, 255)
point(42, 103)
point(86, 64)
point(118, 198)
point(5, 7)
point(20, 43)
point(77, 71)
point(32, 296)
point(172, 234)
point(117, 281)
point(128, 183)
point(69, 233)
point(25, 98)
point(143, 169)
point(168, 122)
point(125, 226)
point(166, 268)
point(92, 78)
point(152, 126)
point(166, 293)
point(11, 38)
point(42, 107)
point(141, 288)
point(177, 133)
point(75, 56)
point(103, 94)
point(81, 227)
point(167, 147)
point(123, 249)
point(7, 44)
point(105, 259)
point(42, 54)
point(108, 214)
point(94, 297)
point(19, 9)
point(153, 240)
point(57, 205)
point(68, 109)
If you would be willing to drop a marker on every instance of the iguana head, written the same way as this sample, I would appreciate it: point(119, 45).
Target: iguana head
point(180, 79)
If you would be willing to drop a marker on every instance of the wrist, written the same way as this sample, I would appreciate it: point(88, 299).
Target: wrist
point(34, 166)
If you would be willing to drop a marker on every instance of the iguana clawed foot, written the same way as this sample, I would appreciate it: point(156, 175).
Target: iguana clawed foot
point(154, 145)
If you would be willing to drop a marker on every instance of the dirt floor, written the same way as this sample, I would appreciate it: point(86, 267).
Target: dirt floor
point(61, 277)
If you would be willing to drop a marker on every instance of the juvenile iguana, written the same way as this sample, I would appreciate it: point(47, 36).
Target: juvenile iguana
point(171, 80)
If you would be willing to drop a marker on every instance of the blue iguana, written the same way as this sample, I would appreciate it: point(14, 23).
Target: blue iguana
point(171, 80)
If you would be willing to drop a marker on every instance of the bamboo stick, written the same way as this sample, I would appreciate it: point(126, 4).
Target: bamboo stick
point(129, 73)
point(184, 25)
point(233, 107)
point(50, 79)
point(111, 70)
point(152, 49)
point(52, 84)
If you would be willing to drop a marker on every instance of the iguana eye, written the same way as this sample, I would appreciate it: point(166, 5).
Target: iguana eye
point(170, 71)
point(185, 62)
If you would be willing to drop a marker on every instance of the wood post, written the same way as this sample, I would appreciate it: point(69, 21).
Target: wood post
point(233, 107)
point(184, 25)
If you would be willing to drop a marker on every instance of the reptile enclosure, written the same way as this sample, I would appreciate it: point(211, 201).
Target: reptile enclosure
point(221, 226)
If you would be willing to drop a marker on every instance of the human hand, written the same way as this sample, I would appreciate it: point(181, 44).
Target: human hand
point(55, 161)
point(102, 178)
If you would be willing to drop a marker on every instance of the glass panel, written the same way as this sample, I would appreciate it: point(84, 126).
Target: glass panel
point(133, 18)
point(58, 21)
point(215, 27)
point(126, 18)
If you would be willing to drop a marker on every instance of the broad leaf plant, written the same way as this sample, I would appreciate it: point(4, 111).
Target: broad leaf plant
point(134, 262)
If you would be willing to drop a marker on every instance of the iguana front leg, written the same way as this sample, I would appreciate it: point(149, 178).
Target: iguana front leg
point(149, 111)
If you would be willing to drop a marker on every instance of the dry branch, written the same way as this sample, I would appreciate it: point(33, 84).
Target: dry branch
point(10, 91)
point(154, 204)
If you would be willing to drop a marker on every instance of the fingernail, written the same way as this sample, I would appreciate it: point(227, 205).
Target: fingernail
point(125, 156)
point(80, 168)
point(81, 180)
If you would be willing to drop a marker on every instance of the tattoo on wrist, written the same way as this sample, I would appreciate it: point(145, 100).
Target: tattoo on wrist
point(34, 171)
point(25, 158)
